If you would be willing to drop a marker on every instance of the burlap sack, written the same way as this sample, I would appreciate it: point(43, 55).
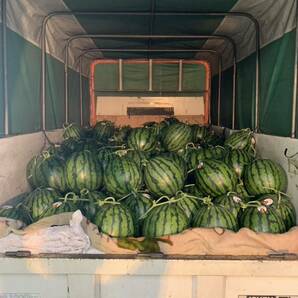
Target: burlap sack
point(197, 241)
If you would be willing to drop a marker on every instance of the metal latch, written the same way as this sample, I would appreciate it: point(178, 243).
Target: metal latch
point(18, 254)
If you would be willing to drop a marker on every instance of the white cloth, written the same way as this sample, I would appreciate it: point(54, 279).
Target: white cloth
point(66, 239)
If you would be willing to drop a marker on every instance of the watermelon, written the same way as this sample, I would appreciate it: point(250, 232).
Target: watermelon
point(15, 212)
point(89, 204)
point(138, 157)
point(231, 202)
point(215, 178)
point(283, 206)
point(264, 176)
point(242, 192)
point(215, 216)
point(238, 159)
point(122, 176)
point(260, 218)
point(176, 136)
point(40, 202)
point(72, 131)
point(51, 172)
point(70, 203)
point(83, 171)
point(104, 130)
point(199, 133)
point(71, 145)
point(193, 189)
point(189, 204)
point(121, 134)
point(142, 139)
point(165, 219)
point(164, 176)
point(105, 155)
point(212, 139)
point(200, 154)
point(242, 139)
point(114, 219)
point(176, 158)
point(138, 203)
point(31, 169)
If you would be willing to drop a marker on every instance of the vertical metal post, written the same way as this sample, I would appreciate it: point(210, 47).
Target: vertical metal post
point(81, 92)
point(219, 89)
point(295, 86)
point(257, 91)
point(150, 75)
point(180, 75)
point(66, 84)
point(234, 92)
point(4, 57)
point(120, 74)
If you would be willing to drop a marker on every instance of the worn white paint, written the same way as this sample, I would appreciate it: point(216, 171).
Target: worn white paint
point(122, 278)
point(15, 153)
point(117, 105)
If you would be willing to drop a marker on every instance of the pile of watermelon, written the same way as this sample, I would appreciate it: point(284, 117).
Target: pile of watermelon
point(157, 180)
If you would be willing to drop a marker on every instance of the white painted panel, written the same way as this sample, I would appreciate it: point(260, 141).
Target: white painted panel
point(117, 105)
point(39, 286)
point(209, 287)
point(146, 286)
point(15, 152)
point(236, 286)
point(82, 286)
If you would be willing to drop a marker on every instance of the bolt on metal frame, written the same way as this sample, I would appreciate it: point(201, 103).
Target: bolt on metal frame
point(99, 36)
point(125, 13)
point(99, 50)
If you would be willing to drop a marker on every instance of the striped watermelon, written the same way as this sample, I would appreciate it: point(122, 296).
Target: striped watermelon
point(176, 136)
point(176, 158)
point(231, 202)
point(121, 134)
point(238, 159)
point(140, 157)
point(189, 204)
point(211, 152)
point(104, 130)
point(212, 139)
point(282, 205)
point(192, 189)
point(215, 216)
point(199, 133)
point(114, 219)
point(164, 176)
point(242, 139)
point(40, 202)
point(90, 207)
point(242, 192)
point(51, 172)
point(122, 176)
point(142, 139)
point(71, 145)
point(138, 203)
point(83, 171)
point(15, 212)
point(262, 219)
point(31, 169)
point(105, 155)
point(70, 203)
point(264, 176)
point(165, 219)
point(72, 131)
point(215, 178)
